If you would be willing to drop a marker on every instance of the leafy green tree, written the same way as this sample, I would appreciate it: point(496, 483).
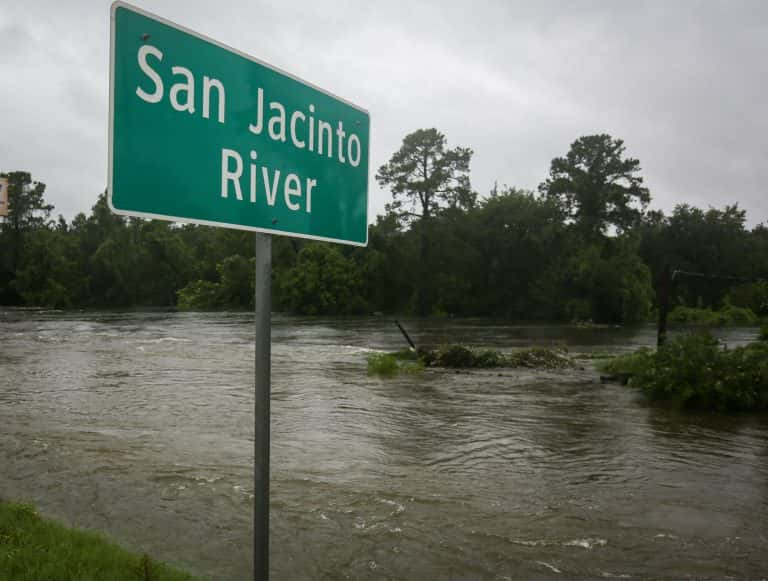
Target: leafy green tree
point(517, 235)
point(199, 295)
point(425, 176)
point(165, 263)
point(237, 276)
point(387, 266)
point(27, 211)
point(603, 282)
point(323, 281)
point(48, 274)
point(757, 252)
point(233, 290)
point(713, 243)
point(616, 284)
point(27, 208)
point(597, 187)
point(752, 295)
point(114, 271)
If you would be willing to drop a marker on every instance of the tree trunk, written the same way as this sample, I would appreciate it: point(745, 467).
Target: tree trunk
point(424, 291)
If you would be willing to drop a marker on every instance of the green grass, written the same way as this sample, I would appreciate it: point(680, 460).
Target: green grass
point(37, 549)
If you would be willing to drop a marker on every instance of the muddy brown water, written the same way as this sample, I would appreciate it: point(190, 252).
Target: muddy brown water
point(140, 425)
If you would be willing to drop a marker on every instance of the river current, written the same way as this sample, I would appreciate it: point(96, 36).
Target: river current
point(140, 425)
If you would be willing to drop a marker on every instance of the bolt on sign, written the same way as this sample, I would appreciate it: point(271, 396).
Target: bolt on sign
point(3, 196)
point(202, 133)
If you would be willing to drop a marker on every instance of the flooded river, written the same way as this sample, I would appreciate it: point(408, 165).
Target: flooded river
point(141, 425)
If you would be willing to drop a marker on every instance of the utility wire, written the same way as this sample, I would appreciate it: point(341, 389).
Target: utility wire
point(720, 276)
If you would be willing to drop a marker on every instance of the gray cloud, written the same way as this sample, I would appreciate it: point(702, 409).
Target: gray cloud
point(682, 83)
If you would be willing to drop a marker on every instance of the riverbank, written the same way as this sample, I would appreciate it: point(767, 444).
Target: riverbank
point(34, 548)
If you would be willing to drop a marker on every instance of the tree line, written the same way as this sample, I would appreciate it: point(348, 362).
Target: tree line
point(584, 246)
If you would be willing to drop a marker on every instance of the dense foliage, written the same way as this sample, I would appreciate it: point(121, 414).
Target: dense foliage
point(461, 356)
point(582, 248)
point(728, 315)
point(697, 371)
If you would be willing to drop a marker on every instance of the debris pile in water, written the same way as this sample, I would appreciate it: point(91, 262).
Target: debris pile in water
point(460, 356)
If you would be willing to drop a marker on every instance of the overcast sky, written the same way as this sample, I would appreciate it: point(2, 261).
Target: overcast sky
point(684, 84)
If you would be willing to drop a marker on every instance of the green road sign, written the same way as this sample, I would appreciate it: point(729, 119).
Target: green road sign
point(202, 133)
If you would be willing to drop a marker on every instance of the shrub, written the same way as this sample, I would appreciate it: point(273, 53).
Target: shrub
point(199, 295)
point(489, 359)
point(732, 315)
point(728, 315)
point(629, 363)
point(753, 295)
point(455, 356)
point(697, 371)
point(535, 357)
point(384, 364)
point(694, 316)
point(390, 364)
point(539, 357)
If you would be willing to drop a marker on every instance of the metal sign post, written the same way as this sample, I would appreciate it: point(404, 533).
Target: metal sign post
point(262, 363)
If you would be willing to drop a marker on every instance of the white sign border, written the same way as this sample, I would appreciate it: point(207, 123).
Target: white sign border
point(121, 4)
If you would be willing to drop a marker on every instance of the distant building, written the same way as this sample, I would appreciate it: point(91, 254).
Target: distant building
point(3, 196)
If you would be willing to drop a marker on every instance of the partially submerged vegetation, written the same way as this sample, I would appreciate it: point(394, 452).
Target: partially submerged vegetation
point(460, 356)
point(390, 364)
point(33, 548)
point(728, 315)
point(697, 371)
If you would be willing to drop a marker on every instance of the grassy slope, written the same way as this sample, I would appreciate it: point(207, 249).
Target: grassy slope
point(32, 548)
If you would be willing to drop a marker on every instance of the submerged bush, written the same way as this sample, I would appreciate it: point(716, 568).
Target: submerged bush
point(694, 316)
point(728, 315)
point(461, 356)
point(383, 364)
point(697, 371)
point(540, 357)
point(455, 356)
point(732, 315)
point(390, 364)
point(629, 363)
